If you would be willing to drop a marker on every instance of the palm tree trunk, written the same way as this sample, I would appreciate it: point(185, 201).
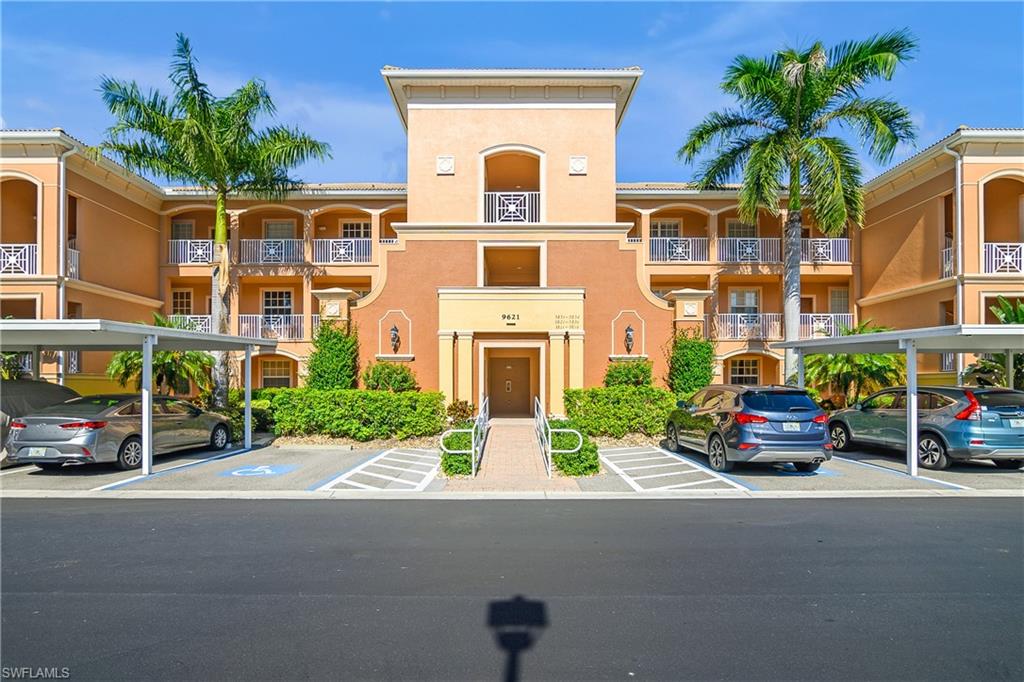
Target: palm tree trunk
point(791, 287)
point(220, 300)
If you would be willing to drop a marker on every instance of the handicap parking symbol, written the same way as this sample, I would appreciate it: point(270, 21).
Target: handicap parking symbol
point(262, 470)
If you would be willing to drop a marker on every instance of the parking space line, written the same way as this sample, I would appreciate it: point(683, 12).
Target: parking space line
point(674, 486)
point(714, 474)
point(24, 468)
point(621, 474)
point(388, 466)
point(956, 486)
point(642, 459)
point(358, 485)
point(432, 464)
point(160, 472)
point(364, 472)
point(667, 473)
point(655, 466)
point(405, 461)
point(413, 454)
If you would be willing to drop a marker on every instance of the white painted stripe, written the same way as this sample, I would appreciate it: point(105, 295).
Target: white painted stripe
point(706, 470)
point(632, 453)
point(636, 447)
point(358, 485)
point(388, 478)
point(669, 473)
point(405, 461)
point(641, 459)
point(194, 462)
point(675, 486)
point(403, 469)
point(18, 470)
point(657, 466)
point(901, 473)
point(433, 458)
point(623, 475)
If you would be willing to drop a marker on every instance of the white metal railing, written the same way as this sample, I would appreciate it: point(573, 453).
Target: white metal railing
point(25, 363)
point(947, 362)
point(17, 259)
point(190, 251)
point(634, 240)
point(196, 323)
point(825, 250)
point(947, 262)
point(72, 362)
point(679, 249)
point(284, 327)
point(272, 251)
point(341, 250)
point(542, 427)
point(743, 250)
point(511, 207)
point(813, 325)
point(477, 436)
point(1004, 257)
point(388, 240)
point(73, 271)
point(739, 326)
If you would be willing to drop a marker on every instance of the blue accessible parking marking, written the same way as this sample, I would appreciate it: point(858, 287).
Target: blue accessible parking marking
point(260, 470)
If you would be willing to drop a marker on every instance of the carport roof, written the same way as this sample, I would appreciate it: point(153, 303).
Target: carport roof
point(955, 338)
point(30, 335)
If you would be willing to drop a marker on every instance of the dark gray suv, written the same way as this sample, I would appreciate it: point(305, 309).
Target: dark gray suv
point(731, 423)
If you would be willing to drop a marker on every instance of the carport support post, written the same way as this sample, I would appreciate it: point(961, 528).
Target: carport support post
point(248, 396)
point(800, 368)
point(1009, 368)
point(911, 350)
point(36, 357)
point(147, 405)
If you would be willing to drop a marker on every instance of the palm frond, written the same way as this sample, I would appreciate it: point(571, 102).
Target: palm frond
point(879, 122)
point(857, 61)
point(765, 165)
point(831, 167)
point(720, 126)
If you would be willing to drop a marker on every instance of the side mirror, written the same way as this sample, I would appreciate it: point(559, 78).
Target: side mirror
point(682, 404)
point(858, 407)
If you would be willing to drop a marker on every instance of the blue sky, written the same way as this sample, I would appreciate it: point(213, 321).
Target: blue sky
point(322, 61)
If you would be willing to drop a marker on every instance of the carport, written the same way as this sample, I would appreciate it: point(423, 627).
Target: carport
point(957, 338)
point(36, 336)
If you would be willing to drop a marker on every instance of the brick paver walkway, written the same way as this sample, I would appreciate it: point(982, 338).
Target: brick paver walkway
point(512, 462)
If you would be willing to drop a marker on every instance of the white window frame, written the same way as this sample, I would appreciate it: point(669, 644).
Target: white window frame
point(267, 222)
point(751, 370)
point(757, 293)
point(191, 302)
point(666, 228)
point(831, 306)
point(191, 223)
point(365, 228)
point(263, 301)
point(277, 365)
point(732, 223)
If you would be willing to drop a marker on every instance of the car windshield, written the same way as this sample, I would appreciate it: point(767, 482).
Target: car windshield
point(778, 401)
point(81, 407)
point(1000, 398)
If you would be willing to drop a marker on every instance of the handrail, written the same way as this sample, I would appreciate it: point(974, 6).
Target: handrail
point(543, 429)
point(477, 436)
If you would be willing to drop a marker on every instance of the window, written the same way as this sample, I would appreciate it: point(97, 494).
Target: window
point(277, 302)
point(665, 228)
point(839, 301)
point(779, 401)
point(279, 229)
point(355, 230)
point(740, 230)
point(181, 302)
point(745, 371)
point(744, 301)
point(177, 408)
point(277, 374)
point(182, 229)
point(881, 401)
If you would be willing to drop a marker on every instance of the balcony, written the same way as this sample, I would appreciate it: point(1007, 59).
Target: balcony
point(816, 325)
point(342, 250)
point(511, 207)
point(1004, 258)
point(947, 262)
point(18, 259)
point(190, 251)
point(679, 249)
point(281, 327)
point(272, 251)
point(746, 326)
point(73, 270)
point(196, 323)
point(825, 250)
point(743, 250)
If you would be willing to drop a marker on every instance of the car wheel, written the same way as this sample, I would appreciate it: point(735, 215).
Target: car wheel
point(672, 437)
point(931, 452)
point(806, 467)
point(130, 454)
point(839, 435)
point(1008, 463)
point(219, 437)
point(50, 466)
point(717, 458)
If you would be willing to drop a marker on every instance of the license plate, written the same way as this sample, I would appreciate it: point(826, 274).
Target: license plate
point(1017, 423)
point(790, 426)
point(37, 452)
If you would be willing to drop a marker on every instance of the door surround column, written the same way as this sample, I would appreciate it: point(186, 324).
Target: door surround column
point(556, 374)
point(464, 352)
point(445, 365)
point(575, 358)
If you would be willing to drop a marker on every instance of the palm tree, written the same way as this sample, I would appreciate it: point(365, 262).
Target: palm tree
point(992, 369)
point(213, 143)
point(171, 369)
point(783, 138)
point(854, 374)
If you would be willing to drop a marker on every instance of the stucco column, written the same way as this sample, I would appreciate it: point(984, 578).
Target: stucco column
point(445, 367)
point(556, 373)
point(233, 298)
point(308, 306)
point(234, 236)
point(645, 234)
point(576, 359)
point(713, 238)
point(465, 357)
point(307, 237)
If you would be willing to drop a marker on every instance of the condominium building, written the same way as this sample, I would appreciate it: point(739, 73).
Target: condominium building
point(511, 264)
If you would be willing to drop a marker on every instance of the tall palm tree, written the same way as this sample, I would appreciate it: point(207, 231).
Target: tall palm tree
point(171, 369)
point(782, 138)
point(213, 143)
point(856, 373)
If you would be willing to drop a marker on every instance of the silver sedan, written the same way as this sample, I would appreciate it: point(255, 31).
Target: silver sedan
point(108, 428)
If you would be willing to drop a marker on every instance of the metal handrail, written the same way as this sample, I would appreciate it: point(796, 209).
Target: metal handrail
point(477, 436)
point(543, 429)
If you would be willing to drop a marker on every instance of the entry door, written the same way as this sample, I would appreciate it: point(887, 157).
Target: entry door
point(508, 386)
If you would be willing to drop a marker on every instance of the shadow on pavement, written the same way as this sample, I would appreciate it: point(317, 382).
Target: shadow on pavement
point(517, 624)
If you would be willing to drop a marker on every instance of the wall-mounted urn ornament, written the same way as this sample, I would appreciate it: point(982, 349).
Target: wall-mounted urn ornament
point(629, 340)
point(396, 340)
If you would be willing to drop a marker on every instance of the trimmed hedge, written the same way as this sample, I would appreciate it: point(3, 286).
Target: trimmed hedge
point(389, 376)
point(628, 373)
point(584, 462)
point(458, 465)
point(357, 414)
point(618, 410)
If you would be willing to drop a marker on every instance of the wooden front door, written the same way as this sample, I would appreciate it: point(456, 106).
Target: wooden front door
point(508, 385)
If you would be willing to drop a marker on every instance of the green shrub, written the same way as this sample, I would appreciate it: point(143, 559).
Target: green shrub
point(389, 376)
point(458, 464)
point(361, 415)
point(334, 362)
point(618, 410)
point(583, 462)
point(691, 362)
point(460, 411)
point(628, 373)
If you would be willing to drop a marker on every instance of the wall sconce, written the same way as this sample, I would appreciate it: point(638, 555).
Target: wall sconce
point(395, 338)
point(629, 339)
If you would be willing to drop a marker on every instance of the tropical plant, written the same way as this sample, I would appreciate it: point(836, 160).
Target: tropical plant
point(855, 374)
point(213, 143)
point(334, 362)
point(389, 376)
point(782, 139)
point(992, 369)
point(628, 373)
point(173, 370)
point(691, 362)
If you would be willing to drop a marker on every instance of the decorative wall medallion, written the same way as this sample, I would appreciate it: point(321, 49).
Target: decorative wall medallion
point(332, 309)
point(446, 165)
point(690, 308)
point(577, 165)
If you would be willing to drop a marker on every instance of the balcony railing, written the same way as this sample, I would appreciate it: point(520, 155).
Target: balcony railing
point(190, 251)
point(17, 259)
point(743, 250)
point(196, 323)
point(1004, 257)
point(342, 250)
point(813, 325)
point(825, 250)
point(746, 326)
point(272, 251)
point(72, 362)
point(511, 207)
point(947, 262)
point(284, 327)
point(947, 362)
point(679, 249)
point(73, 271)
